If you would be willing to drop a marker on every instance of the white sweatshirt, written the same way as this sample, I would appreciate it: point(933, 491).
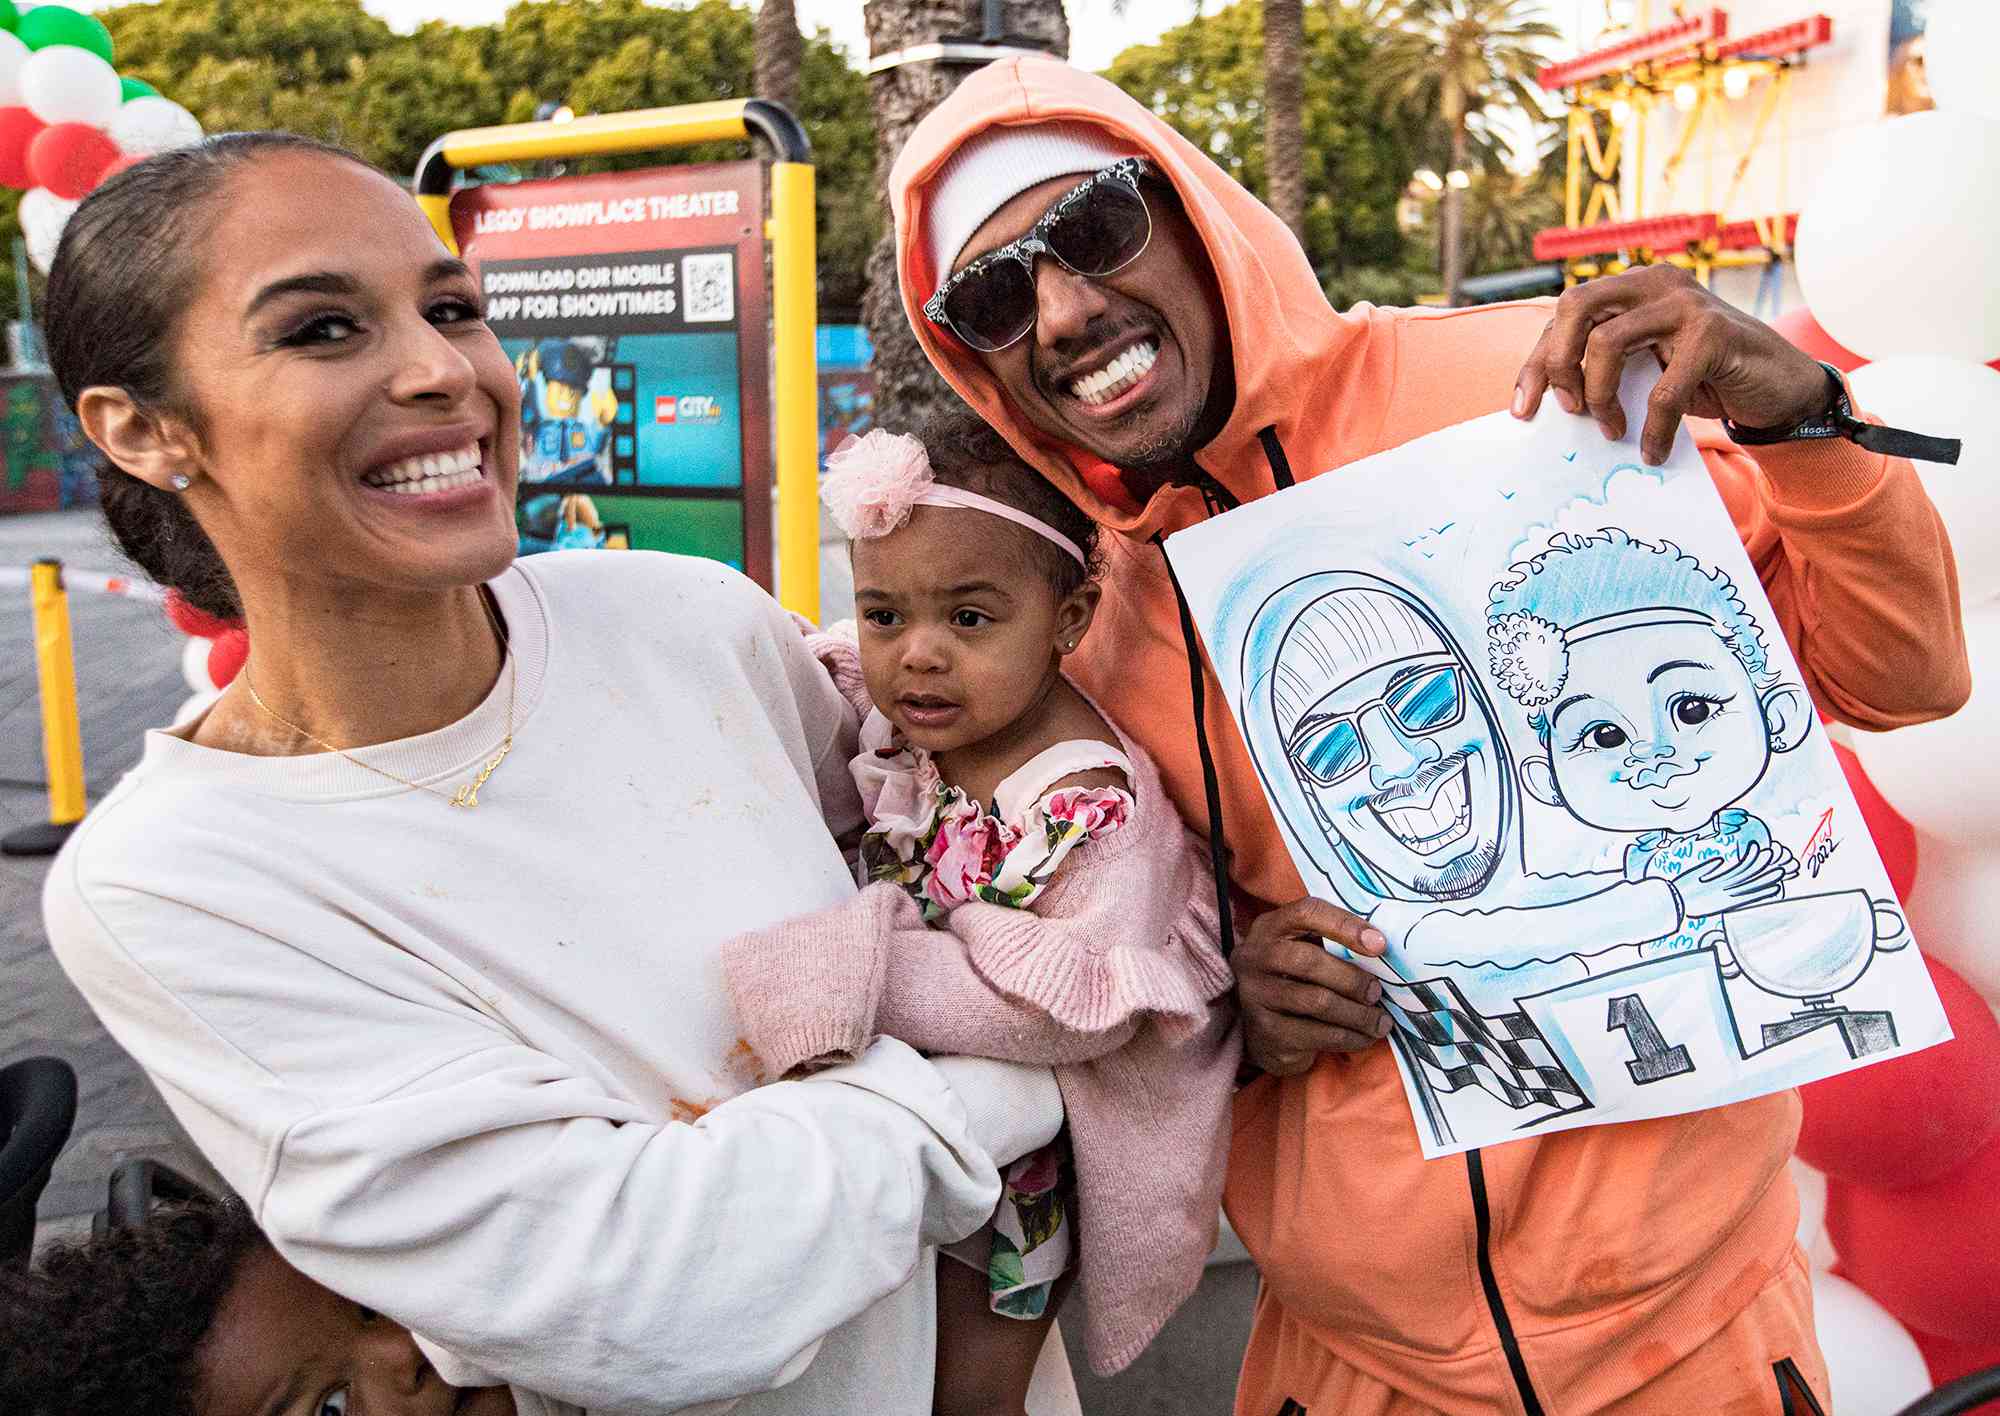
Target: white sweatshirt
point(448, 1056)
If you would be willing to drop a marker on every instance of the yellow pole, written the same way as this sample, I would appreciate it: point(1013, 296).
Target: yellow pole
point(62, 736)
point(794, 309)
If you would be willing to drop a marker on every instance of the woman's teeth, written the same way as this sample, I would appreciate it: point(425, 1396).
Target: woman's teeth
point(1117, 376)
point(432, 472)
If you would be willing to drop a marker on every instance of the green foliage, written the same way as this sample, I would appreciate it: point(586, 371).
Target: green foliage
point(1207, 79)
point(329, 69)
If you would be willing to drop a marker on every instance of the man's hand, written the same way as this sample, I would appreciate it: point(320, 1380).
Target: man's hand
point(1298, 1000)
point(1718, 361)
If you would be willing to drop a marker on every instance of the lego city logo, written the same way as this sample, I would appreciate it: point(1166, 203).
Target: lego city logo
point(688, 408)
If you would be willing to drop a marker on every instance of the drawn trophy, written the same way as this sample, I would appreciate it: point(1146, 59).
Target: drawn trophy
point(1812, 948)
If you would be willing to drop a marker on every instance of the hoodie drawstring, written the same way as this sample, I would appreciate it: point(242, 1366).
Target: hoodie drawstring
point(1216, 498)
point(1218, 848)
point(1274, 453)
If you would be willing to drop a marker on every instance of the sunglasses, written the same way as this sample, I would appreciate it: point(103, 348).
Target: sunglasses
point(1100, 226)
point(1330, 747)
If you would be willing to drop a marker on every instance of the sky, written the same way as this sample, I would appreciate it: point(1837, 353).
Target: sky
point(1097, 35)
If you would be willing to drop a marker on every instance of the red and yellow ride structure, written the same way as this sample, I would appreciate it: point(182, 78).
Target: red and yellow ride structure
point(1623, 208)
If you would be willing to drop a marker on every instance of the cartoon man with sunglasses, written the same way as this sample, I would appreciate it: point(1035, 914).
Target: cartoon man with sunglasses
point(1374, 735)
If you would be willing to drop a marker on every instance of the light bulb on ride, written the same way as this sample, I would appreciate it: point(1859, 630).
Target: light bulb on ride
point(1621, 113)
point(1735, 82)
point(1458, 177)
point(1686, 96)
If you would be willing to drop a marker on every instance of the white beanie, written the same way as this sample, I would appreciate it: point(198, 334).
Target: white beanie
point(995, 166)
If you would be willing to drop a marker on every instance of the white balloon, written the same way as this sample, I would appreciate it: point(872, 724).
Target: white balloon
point(194, 665)
point(1811, 1185)
point(64, 84)
point(43, 215)
point(13, 54)
point(1952, 398)
point(1962, 56)
point(1872, 1362)
point(1895, 245)
point(148, 124)
point(1944, 779)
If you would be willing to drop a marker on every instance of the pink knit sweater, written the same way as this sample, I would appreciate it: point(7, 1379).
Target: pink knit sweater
point(1112, 979)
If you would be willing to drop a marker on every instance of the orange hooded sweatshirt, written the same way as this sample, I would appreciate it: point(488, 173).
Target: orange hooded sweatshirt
point(1636, 1268)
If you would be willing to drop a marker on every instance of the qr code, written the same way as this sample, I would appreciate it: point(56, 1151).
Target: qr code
point(708, 283)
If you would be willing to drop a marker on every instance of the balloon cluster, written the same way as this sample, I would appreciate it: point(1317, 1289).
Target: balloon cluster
point(67, 120)
point(1900, 1163)
point(213, 657)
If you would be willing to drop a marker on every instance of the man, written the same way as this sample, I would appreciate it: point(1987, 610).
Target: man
point(1154, 340)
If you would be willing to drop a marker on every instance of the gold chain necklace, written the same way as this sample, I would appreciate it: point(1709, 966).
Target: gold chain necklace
point(466, 796)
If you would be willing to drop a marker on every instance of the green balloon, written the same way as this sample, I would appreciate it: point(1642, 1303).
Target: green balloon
point(129, 89)
point(58, 24)
point(9, 16)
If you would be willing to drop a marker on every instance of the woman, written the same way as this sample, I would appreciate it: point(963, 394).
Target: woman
point(435, 1003)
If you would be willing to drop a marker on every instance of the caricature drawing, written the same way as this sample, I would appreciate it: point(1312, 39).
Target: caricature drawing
point(1377, 742)
point(1550, 745)
point(1658, 709)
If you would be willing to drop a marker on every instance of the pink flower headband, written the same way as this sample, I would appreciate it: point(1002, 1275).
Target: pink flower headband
point(872, 482)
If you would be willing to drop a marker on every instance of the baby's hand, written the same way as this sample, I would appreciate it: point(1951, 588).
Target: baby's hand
point(1756, 877)
point(1299, 1000)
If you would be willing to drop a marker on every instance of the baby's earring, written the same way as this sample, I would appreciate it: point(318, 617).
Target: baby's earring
point(180, 481)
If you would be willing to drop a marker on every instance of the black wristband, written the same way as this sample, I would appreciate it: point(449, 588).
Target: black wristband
point(1838, 421)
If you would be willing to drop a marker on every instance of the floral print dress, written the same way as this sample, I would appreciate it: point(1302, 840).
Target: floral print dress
point(947, 850)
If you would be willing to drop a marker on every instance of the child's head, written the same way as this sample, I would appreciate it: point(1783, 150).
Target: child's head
point(1647, 680)
point(193, 1313)
point(965, 611)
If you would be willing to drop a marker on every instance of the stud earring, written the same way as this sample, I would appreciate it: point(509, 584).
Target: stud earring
point(181, 481)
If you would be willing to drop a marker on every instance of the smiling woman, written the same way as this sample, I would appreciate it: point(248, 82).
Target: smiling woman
point(436, 993)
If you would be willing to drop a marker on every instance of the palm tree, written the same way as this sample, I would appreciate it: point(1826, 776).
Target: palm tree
point(780, 49)
point(1455, 62)
point(1284, 101)
point(906, 387)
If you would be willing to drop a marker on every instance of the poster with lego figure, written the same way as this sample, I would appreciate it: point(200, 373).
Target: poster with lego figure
point(633, 306)
point(1521, 702)
point(567, 413)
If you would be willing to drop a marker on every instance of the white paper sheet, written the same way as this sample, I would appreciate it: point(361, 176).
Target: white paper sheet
point(1522, 702)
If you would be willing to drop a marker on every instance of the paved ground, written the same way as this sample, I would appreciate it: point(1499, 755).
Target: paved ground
point(128, 679)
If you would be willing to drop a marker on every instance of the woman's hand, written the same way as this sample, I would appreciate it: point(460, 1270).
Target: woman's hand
point(1297, 999)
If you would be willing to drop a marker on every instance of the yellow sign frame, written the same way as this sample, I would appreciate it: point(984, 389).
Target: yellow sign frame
point(791, 229)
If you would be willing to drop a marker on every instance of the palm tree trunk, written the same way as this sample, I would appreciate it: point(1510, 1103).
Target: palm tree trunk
point(1451, 218)
point(906, 387)
point(779, 48)
point(1284, 97)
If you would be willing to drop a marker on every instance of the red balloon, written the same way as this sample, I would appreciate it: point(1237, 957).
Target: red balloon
point(1949, 1361)
point(18, 128)
point(69, 158)
point(195, 624)
point(1799, 326)
point(1895, 838)
point(226, 656)
point(1915, 1119)
point(1802, 329)
point(1929, 1254)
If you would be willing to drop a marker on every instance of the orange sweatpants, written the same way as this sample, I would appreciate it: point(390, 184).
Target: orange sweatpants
point(1737, 1372)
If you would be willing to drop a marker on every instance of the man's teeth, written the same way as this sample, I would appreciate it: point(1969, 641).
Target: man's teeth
point(431, 472)
point(1117, 376)
point(1429, 828)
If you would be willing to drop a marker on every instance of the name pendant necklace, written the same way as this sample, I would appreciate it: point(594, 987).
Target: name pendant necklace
point(466, 796)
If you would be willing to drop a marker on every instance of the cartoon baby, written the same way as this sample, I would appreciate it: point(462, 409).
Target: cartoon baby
point(1657, 706)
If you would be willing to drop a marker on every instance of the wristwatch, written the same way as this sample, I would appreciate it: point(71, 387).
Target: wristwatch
point(1837, 420)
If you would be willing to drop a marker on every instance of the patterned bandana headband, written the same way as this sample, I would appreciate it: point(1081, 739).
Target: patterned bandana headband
point(873, 482)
